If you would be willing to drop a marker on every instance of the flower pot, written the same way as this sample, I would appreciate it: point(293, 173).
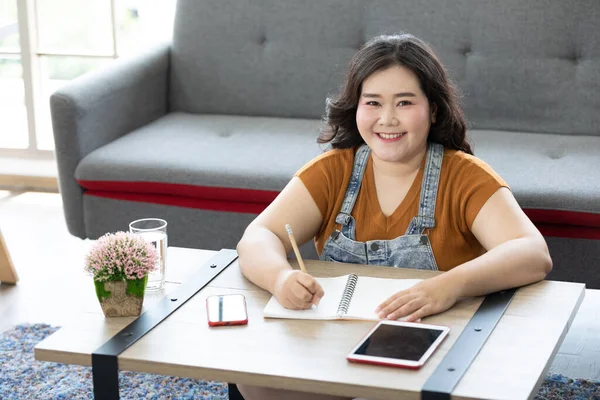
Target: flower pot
point(122, 298)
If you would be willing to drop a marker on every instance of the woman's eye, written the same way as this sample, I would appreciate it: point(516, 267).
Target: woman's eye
point(404, 103)
point(372, 103)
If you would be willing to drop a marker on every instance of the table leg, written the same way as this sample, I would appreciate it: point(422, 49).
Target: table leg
point(234, 393)
point(8, 274)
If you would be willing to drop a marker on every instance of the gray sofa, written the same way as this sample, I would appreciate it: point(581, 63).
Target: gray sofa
point(206, 130)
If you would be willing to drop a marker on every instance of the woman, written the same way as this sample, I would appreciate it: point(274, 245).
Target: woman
point(399, 188)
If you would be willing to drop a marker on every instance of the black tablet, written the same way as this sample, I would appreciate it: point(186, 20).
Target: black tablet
point(398, 344)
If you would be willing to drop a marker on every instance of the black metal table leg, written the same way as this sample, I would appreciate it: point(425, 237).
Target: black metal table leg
point(234, 393)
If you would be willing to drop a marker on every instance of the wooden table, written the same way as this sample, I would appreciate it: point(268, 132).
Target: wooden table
point(310, 355)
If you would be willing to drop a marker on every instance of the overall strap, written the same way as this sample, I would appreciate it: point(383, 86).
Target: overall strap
point(425, 219)
point(358, 170)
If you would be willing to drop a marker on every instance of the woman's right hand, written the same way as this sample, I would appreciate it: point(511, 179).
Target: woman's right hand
point(297, 290)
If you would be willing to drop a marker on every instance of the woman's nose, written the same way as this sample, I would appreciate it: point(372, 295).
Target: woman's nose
point(388, 117)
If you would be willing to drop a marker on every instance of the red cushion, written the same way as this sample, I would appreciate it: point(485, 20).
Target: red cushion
point(180, 201)
point(558, 223)
point(179, 190)
point(559, 217)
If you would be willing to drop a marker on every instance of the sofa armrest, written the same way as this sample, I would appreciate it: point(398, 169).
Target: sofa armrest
point(99, 107)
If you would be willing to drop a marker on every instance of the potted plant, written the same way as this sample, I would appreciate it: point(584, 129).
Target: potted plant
point(120, 263)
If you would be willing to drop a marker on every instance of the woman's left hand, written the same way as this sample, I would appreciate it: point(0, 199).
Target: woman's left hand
point(431, 296)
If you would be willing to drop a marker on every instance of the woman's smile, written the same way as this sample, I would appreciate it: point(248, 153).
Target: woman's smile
point(390, 136)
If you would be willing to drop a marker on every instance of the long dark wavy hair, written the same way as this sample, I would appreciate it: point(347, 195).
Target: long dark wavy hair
point(383, 52)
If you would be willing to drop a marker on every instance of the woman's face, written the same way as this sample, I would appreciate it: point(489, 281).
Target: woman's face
point(393, 115)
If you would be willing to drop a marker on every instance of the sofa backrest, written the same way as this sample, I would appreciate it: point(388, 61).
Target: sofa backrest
point(530, 66)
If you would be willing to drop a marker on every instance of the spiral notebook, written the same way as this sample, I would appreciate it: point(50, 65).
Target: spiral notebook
point(346, 297)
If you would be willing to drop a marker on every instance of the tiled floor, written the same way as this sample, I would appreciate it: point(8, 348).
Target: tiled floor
point(53, 288)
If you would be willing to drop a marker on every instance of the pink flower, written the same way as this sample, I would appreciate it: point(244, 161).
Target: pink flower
point(122, 255)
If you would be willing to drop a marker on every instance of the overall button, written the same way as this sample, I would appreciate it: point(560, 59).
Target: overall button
point(423, 240)
point(374, 246)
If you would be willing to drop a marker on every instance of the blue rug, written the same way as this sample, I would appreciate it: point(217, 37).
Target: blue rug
point(22, 377)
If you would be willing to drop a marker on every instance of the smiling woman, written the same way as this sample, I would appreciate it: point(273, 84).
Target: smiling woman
point(391, 105)
point(422, 74)
point(399, 188)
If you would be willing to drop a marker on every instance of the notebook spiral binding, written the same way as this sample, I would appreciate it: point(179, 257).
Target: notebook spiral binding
point(347, 295)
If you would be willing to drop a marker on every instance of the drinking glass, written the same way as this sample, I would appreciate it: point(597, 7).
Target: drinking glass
point(154, 230)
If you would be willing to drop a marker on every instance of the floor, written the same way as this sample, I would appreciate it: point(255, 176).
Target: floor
point(47, 259)
point(52, 283)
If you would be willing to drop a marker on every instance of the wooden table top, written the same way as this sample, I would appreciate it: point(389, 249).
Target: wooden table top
point(301, 355)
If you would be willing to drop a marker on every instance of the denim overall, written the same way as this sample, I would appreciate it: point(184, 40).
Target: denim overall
point(413, 249)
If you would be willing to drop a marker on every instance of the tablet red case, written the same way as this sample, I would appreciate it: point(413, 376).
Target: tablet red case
point(388, 364)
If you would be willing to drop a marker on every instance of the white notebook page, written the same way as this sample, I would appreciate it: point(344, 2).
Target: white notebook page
point(371, 292)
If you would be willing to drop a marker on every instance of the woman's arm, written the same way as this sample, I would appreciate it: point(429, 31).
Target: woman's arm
point(265, 244)
point(516, 255)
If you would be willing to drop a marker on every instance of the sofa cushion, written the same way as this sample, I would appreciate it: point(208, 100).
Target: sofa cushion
point(207, 157)
point(550, 172)
point(553, 177)
point(180, 160)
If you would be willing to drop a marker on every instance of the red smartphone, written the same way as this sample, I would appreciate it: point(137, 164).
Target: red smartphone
point(226, 309)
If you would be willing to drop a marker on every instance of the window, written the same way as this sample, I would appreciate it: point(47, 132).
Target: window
point(46, 43)
point(13, 116)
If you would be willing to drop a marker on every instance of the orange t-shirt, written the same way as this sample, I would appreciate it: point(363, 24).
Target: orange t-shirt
point(466, 183)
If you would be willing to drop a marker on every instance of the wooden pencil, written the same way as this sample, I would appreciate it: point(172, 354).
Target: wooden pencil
point(288, 228)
